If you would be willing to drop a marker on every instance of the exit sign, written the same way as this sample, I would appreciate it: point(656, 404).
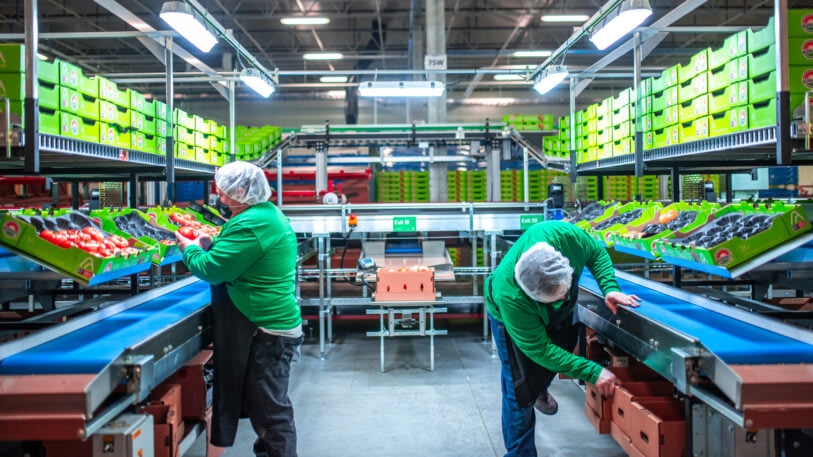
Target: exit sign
point(404, 224)
point(527, 220)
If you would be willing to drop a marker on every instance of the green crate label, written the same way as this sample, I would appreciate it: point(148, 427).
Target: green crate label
point(404, 224)
point(527, 220)
point(722, 257)
point(797, 221)
point(11, 229)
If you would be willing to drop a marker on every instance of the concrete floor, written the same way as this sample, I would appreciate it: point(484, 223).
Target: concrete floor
point(345, 406)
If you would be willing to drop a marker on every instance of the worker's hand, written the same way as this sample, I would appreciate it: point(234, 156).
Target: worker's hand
point(184, 242)
point(606, 383)
point(614, 299)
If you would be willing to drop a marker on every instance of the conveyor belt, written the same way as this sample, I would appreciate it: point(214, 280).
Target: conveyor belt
point(90, 349)
point(761, 369)
point(65, 382)
point(732, 340)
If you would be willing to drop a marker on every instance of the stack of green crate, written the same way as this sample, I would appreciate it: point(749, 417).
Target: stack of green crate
point(418, 186)
point(693, 98)
point(148, 128)
point(728, 86)
point(12, 87)
point(456, 190)
point(115, 116)
point(618, 187)
point(529, 122)
point(389, 187)
point(476, 186)
point(623, 124)
point(184, 134)
point(800, 56)
point(587, 188)
point(648, 187)
point(251, 143)
point(762, 75)
point(660, 125)
point(589, 125)
point(512, 185)
point(454, 255)
point(553, 147)
point(564, 136)
point(480, 257)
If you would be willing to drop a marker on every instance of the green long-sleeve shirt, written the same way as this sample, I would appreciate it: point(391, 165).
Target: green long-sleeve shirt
point(255, 255)
point(527, 321)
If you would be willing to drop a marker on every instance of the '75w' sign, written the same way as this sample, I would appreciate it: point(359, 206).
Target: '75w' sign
point(434, 62)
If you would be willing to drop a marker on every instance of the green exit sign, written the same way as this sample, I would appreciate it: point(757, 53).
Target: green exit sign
point(404, 224)
point(527, 220)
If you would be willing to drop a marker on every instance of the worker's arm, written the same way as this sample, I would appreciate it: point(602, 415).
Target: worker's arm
point(234, 251)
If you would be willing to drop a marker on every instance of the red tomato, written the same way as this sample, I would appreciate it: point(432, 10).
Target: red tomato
point(47, 235)
point(188, 232)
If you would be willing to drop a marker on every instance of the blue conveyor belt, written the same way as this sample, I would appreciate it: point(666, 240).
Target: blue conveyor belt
point(732, 340)
point(92, 348)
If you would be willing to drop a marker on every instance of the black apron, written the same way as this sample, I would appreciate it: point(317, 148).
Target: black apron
point(529, 378)
point(233, 333)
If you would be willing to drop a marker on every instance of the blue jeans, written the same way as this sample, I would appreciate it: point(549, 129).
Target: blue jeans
point(266, 394)
point(517, 423)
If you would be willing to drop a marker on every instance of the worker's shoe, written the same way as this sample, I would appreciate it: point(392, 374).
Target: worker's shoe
point(546, 404)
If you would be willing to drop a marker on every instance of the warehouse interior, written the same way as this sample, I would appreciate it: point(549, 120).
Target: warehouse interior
point(682, 146)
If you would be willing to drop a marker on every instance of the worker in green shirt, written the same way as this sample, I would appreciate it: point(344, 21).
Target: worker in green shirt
point(257, 322)
point(531, 296)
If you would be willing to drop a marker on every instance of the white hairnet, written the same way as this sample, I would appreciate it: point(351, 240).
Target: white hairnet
point(243, 182)
point(543, 273)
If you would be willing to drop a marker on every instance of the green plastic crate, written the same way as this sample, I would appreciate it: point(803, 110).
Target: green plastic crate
point(733, 95)
point(734, 46)
point(604, 121)
point(800, 51)
point(71, 76)
point(142, 123)
point(645, 88)
point(160, 127)
point(622, 100)
point(73, 101)
point(800, 78)
point(762, 62)
point(699, 63)
point(762, 114)
point(183, 119)
point(664, 99)
point(202, 125)
point(623, 146)
point(697, 129)
point(114, 135)
point(731, 121)
point(623, 130)
point(762, 88)
point(114, 114)
point(735, 70)
point(800, 23)
point(693, 109)
point(12, 58)
point(109, 91)
point(759, 39)
point(668, 78)
point(695, 87)
point(604, 108)
point(623, 114)
point(160, 110)
point(665, 118)
point(48, 72)
point(604, 136)
point(668, 136)
point(49, 122)
point(143, 142)
point(73, 126)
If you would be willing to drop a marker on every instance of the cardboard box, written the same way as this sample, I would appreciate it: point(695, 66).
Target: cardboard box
point(800, 23)
point(697, 129)
point(195, 380)
point(759, 39)
point(733, 95)
point(734, 46)
point(405, 284)
point(664, 99)
point(602, 426)
point(730, 121)
point(693, 109)
point(699, 63)
point(693, 88)
point(762, 61)
point(624, 441)
point(734, 70)
point(659, 428)
point(800, 51)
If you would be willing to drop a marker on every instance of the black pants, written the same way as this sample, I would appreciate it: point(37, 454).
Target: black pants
point(266, 394)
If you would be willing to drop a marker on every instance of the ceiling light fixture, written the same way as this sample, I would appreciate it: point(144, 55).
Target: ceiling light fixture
point(531, 53)
point(565, 18)
point(620, 22)
point(323, 56)
point(189, 24)
point(401, 89)
point(305, 20)
point(256, 80)
point(333, 79)
point(508, 77)
point(549, 78)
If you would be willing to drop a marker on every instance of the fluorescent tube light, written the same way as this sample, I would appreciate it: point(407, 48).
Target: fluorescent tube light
point(305, 20)
point(565, 18)
point(532, 53)
point(622, 21)
point(189, 24)
point(549, 78)
point(336, 94)
point(257, 81)
point(333, 79)
point(508, 77)
point(42, 56)
point(323, 56)
point(401, 89)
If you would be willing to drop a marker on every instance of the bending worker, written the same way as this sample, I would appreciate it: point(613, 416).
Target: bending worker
point(251, 266)
point(531, 297)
